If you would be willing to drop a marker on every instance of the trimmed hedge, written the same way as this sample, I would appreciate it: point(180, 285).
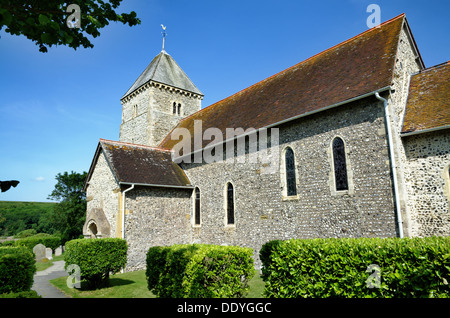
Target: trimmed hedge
point(357, 268)
point(17, 268)
point(52, 241)
point(199, 271)
point(97, 258)
point(23, 294)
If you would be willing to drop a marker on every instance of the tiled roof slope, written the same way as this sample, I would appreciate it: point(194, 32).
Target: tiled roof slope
point(163, 69)
point(428, 104)
point(352, 68)
point(131, 163)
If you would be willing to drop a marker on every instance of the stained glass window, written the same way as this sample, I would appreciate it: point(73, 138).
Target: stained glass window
point(340, 164)
point(291, 184)
point(197, 206)
point(230, 204)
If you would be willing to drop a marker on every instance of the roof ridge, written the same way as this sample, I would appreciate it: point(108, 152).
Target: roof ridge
point(157, 63)
point(296, 65)
point(433, 67)
point(133, 144)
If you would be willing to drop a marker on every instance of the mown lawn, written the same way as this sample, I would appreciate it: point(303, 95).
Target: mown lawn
point(134, 285)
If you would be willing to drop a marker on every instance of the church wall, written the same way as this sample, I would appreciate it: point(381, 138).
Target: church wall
point(427, 177)
point(147, 115)
point(103, 193)
point(162, 118)
point(406, 65)
point(155, 217)
point(262, 213)
point(134, 127)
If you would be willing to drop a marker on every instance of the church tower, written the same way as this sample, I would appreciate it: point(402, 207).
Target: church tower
point(161, 96)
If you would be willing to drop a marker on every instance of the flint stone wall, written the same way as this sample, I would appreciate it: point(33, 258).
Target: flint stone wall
point(155, 217)
point(427, 177)
point(147, 115)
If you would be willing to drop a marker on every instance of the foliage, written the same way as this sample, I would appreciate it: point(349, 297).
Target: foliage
point(97, 258)
point(26, 233)
point(199, 271)
point(265, 253)
point(17, 268)
point(44, 22)
point(69, 214)
point(65, 218)
point(6, 185)
point(52, 241)
point(22, 294)
point(409, 267)
point(22, 216)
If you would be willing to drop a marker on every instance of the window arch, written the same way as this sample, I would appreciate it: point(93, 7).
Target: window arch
point(340, 164)
point(174, 107)
point(197, 216)
point(179, 109)
point(230, 203)
point(289, 168)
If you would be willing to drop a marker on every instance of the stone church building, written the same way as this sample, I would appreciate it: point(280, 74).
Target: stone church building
point(352, 142)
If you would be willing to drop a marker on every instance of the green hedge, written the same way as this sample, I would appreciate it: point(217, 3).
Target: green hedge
point(97, 258)
point(357, 268)
point(23, 294)
point(199, 271)
point(52, 241)
point(17, 268)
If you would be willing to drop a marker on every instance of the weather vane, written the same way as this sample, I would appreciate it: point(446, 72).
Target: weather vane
point(164, 36)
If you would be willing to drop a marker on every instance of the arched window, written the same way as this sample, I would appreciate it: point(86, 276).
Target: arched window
point(340, 165)
point(289, 163)
point(174, 107)
point(179, 109)
point(230, 204)
point(197, 206)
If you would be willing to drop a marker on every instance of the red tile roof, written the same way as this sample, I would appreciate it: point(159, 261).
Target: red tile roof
point(358, 66)
point(428, 104)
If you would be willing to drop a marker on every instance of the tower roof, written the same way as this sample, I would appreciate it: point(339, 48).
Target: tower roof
point(163, 69)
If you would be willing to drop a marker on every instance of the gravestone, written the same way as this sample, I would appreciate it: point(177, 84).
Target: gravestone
point(58, 251)
point(48, 253)
point(39, 251)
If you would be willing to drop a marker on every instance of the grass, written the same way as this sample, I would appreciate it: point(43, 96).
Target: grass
point(133, 285)
point(126, 285)
point(46, 263)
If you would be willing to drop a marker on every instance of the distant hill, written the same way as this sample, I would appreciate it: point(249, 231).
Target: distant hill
point(16, 216)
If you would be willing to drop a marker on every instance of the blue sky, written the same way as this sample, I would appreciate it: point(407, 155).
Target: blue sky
point(55, 106)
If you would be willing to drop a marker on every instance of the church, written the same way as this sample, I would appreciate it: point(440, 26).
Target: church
point(352, 142)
